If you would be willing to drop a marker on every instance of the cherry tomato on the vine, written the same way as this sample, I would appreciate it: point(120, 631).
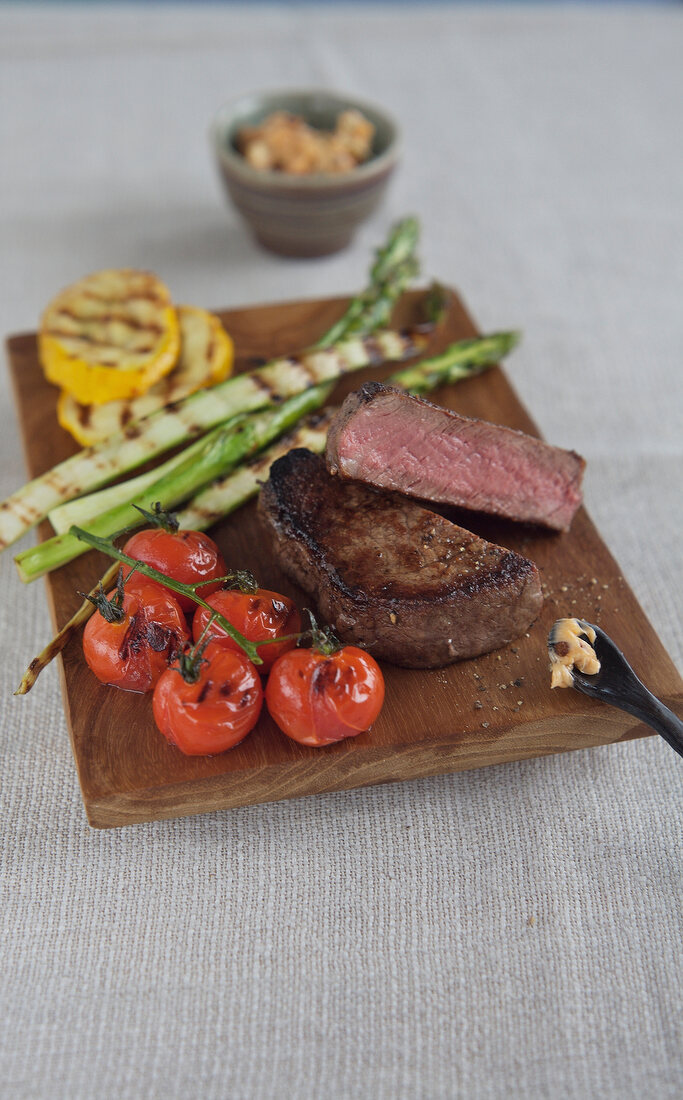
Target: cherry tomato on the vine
point(216, 711)
point(185, 556)
point(317, 698)
point(133, 652)
point(258, 615)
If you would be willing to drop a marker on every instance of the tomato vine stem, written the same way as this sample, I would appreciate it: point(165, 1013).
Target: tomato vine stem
point(106, 546)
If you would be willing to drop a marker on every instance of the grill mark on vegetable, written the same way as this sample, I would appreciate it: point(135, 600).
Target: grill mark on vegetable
point(158, 637)
point(226, 688)
point(23, 512)
point(316, 420)
point(311, 374)
point(111, 316)
point(140, 633)
point(134, 637)
point(84, 413)
point(257, 463)
point(78, 338)
point(374, 350)
point(53, 479)
point(324, 677)
point(93, 342)
point(206, 688)
point(205, 514)
point(195, 429)
point(138, 296)
point(264, 385)
point(169, 384)
point(61, 486)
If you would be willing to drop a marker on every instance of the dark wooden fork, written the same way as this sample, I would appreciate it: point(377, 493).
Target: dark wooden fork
point(617, 684)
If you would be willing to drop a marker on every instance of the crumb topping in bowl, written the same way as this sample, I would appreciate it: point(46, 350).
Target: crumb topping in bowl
point(284, 142)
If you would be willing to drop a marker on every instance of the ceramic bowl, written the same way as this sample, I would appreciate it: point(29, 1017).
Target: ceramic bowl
point(303, 215)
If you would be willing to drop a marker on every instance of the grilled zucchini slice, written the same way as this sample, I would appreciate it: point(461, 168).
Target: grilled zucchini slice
point(109, 336)
point(206, 357)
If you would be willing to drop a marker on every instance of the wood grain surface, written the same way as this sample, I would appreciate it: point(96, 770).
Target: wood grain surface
point(489, 710)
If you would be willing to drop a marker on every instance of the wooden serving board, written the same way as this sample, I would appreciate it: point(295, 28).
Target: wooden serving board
point(484, 711)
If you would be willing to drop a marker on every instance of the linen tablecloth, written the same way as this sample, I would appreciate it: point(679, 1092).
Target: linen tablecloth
point(511, 931)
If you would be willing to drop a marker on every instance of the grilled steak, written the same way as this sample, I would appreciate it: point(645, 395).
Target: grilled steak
point(389, 439)
point(388, 574)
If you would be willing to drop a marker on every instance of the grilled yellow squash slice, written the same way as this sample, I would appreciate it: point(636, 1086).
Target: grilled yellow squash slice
point(111, 335)
point(206, 357)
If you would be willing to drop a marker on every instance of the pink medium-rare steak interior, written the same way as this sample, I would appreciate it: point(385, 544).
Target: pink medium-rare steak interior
point(389, 439)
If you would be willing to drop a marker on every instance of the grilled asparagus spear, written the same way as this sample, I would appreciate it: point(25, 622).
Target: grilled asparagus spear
point(186, 420)
point(394, 268)
point(343, 348)
point(219, 451)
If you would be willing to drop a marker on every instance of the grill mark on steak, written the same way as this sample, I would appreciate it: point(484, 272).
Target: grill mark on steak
point(386, 573)
point(389, 439)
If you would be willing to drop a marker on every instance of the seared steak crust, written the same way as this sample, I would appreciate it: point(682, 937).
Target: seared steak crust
point(392, 440)
point(387, 574)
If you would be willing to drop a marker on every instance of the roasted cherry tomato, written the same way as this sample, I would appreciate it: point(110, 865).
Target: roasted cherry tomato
point(214, 712)
point(143, 630)
point(186, 556)
point(258, 615)
point(318, 698)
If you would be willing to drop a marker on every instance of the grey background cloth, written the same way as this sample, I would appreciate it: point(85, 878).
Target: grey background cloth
point(512, 931)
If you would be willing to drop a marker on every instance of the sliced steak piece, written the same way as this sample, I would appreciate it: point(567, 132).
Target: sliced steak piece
point(389, 439)
point(387, 574)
